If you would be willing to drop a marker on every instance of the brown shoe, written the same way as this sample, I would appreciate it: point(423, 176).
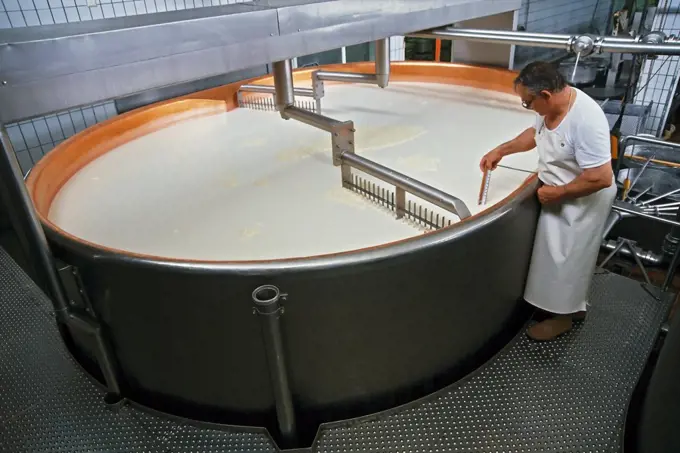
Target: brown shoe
point(550, 328)
point(578, 316)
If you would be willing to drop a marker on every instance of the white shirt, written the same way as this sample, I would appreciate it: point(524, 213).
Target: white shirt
point(582, 140)
point(569, 233)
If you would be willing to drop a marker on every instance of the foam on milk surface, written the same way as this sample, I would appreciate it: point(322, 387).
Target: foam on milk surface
point(248, 185)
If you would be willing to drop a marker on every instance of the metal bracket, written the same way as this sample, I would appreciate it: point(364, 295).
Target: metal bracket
point(103, 353)
point(318, 89)
point(652, 290)
point(343, 142)
point(278, 309)
point(72, 283)
point(267, 301)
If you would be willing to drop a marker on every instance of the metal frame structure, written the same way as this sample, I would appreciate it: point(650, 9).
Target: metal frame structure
point(629, 206)
point(89, 62)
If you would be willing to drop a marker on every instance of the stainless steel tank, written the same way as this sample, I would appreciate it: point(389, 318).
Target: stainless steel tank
point(362, 331)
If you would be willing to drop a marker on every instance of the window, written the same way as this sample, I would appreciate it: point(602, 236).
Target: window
point(361, 52)
point(321, 58)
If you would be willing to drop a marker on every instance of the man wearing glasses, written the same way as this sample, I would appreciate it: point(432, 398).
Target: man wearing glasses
point(571, 135)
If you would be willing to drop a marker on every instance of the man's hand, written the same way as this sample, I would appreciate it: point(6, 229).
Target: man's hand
point(550, 194)
point(490, 160)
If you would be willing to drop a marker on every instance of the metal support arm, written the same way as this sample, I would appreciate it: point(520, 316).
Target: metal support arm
point(342, 136)
point(382, 69)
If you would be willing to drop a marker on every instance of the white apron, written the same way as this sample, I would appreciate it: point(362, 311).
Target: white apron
point(569, 234)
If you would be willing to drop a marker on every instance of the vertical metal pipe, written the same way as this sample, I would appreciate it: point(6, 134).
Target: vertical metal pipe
point(267, 306)
point(672, 268)
point(27, 226)
point(382, 62)
point(283, 84)
point(672, 238)
point(613, 218)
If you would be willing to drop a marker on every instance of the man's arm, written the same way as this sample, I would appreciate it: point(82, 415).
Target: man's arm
point(523, 142)
point(588, 182)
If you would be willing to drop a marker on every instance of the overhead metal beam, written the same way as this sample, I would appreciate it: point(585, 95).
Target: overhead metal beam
point(57, 67)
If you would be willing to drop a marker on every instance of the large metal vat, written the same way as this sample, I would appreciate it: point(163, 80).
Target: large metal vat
point(362, 331)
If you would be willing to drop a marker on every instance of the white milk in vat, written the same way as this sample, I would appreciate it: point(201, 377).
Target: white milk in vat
point(248, 185)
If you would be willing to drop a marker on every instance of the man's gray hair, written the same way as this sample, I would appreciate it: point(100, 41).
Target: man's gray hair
point(541, 76)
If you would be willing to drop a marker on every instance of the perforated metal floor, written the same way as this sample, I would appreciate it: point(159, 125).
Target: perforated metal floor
point(566, 396)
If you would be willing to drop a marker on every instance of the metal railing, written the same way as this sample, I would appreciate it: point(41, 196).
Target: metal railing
point(629, 206)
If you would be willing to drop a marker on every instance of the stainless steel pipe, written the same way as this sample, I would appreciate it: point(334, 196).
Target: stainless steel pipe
point(516, 38)
point(283, 85)
point(382, 69)
point(613, 218)
point(648, 257)
point(313, 119)
point(422, 190)
point(505, 32)
point(527, 34)
point(644, 139)
point(638, 47)
point(267, 305)
point(352, 77)
point(382, 62)
point(574, 43)
point(635, 212)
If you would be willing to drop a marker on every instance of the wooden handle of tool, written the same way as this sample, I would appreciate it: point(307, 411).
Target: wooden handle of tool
point(656, 161)
point(626, 188)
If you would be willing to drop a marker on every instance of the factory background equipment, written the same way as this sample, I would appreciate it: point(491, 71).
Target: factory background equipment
point(95, 296)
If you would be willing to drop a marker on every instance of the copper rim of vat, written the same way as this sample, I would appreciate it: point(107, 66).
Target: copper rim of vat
point(56, 168)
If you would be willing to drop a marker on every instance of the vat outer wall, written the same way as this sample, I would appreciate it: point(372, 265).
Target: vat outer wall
point(357, 327)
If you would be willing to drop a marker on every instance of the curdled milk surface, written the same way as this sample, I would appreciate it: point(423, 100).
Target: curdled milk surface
point(248, 185)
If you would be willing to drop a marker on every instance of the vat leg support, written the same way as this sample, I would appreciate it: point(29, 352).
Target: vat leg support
point(103, 353)
point(27, 226)
point(267, 306)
